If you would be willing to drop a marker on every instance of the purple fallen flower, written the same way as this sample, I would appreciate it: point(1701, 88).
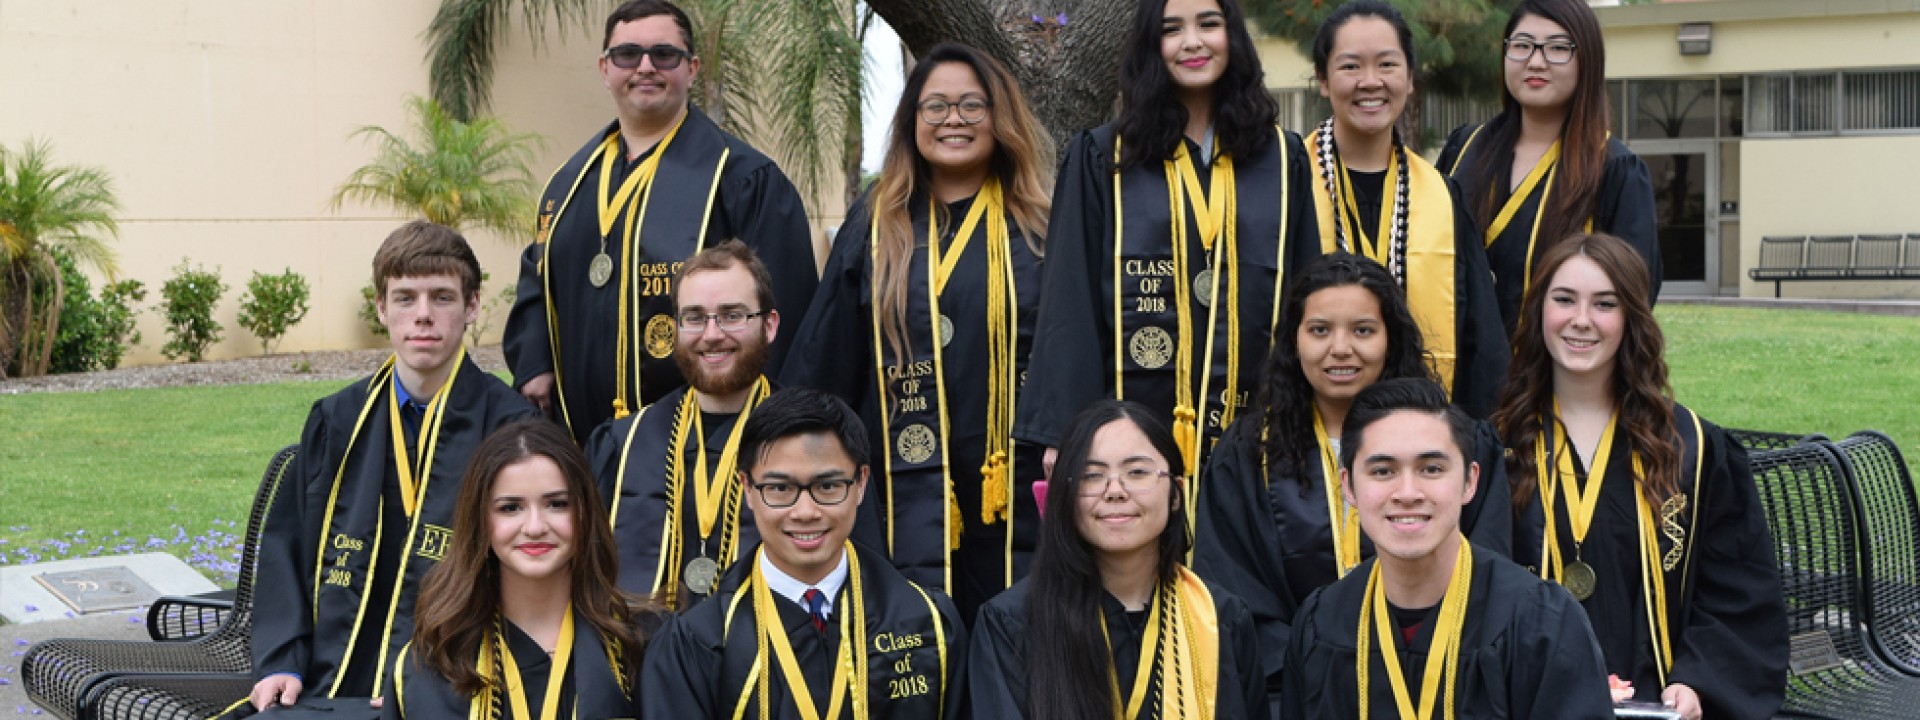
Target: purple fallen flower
point(1036, 19)
point(30, 608)
point(1060, 19)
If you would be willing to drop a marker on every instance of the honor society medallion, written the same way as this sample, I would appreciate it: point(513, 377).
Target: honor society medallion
point(1203, 287)
point(701, 575)
point(600, 270)
point(660, 336)
point(1579, 580)
point(946, 330)
point(916, 444)
point(1151, 347)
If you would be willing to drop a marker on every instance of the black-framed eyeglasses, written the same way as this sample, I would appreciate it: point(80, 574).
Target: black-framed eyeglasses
point(1093, 483)
point(626, 56)
point(1558, 52)
point(784, 495)
point(972, 109)
point(728, 320)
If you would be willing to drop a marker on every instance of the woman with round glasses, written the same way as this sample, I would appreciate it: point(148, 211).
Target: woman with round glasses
point(524, 613)
point(1651, 518)
point(1113, 607)
point(1374, 198)
point(1172, 228)
point(924, 316)
point(1546, 168)
point(1272, 525)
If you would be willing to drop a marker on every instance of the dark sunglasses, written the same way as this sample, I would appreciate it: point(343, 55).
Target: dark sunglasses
point(627, 56)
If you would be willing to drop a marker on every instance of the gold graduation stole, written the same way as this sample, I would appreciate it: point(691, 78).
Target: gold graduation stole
point(1343, 520)
point(775, 648)
point(507, 677)
point(711, 491)
point(1181, 645)
point(1443, 656)
point(1541, 176)
point(1417, 243)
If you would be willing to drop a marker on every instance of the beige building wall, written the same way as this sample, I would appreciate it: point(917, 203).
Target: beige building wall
point(225, 125)
point(1828, 186)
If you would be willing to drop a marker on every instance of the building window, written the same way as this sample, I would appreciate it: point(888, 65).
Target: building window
point(1669, 109)
point(1880, 99)
point(1825, 103)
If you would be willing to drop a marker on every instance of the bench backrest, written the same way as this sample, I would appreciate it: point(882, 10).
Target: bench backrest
point(1876, 256)
point(1890, 558)
point(1782, 253)
point(1829, 255)
point(1910, 256)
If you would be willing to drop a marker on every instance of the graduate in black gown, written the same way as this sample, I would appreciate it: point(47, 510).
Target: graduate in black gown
point(926, 333)
point(1373, 197)
point(809, 625)
point(590, 336)
point(1273, 525)
point(524, 617)
point(1433, 619)
point(1170, 236)
point(1651, 517)
point(366, 507)
point(1110, 624)
point(1549, 148)
point(667, 472)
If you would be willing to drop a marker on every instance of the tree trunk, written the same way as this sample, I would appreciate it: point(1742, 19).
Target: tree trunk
point(1066, 69)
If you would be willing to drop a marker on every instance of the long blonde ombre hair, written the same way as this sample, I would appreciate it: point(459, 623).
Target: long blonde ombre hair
point(1022, 161)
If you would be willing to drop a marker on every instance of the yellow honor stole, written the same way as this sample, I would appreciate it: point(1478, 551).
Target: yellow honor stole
point(1542, 172)
point(850, 662)
point(1443, 656)
point(485, 701)
point(1213, 217)
point(610, 207)
point(1416, 229)
point(428, 440)
point(1343, 520)
point(1182, 643)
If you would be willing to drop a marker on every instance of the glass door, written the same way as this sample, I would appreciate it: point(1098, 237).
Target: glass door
point(1686, 204)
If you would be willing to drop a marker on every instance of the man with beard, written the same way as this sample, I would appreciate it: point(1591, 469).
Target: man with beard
point(668, 471)
point(589, 334)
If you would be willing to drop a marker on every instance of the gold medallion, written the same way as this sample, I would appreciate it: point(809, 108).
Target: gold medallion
point(1203, 287)
point(660, 336)
point(946, 330)
point(1579, 580)
point(1151, 347)
point(701, 575)
point(601, 270)
point(916, 444)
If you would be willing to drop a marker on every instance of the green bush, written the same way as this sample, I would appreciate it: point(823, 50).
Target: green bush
point(369, 312)
point(273, 304)
point(94, 333)
point(187, 301)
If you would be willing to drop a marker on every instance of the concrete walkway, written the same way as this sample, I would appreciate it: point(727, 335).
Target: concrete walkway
point(1909, 308)
point(15, 639)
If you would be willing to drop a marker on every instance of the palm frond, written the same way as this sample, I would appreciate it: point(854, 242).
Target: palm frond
point(44, 205)
point(464, 35)
point(460, 174)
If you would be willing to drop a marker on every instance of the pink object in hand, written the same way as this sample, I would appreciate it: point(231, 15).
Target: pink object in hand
point(1040, 496)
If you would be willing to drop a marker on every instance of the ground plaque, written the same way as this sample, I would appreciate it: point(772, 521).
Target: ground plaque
point(98, 589)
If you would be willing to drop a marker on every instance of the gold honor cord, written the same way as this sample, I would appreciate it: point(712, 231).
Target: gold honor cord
point(1653, 586)
point(517, 689)
point(1380, 252)
point(1211, 217)
point(1443, 655)
point(1343, 520)
point(428, 440)
point(608, 211)
point(1150, 650)
point(1580, 501)
point(710, 491)
point(850, 661)
point(940, 267)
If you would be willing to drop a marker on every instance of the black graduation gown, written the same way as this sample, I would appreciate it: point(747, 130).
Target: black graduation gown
point(834, 352)
point(698, 666)
point(1074, 351)
point(1480, 342)
point(317, 532)
point(591, 690)
point(1623, 207)
point(997, 675)
point(752, 201)
point(1526, 652)
point(1725, 610)
point(1268, 540)
point(639, 501)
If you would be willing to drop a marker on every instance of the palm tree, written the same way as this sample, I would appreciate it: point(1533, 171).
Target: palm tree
point(43, 208)
point(471, 174)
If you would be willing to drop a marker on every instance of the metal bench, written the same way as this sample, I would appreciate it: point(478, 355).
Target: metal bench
point(1837, 257)
point(63, 674)
point(1754, 440)
point(1890, 551)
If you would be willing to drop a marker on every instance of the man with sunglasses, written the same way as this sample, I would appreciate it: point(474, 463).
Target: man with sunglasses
point(808, 623)
point(591, 335)
point(671, 465)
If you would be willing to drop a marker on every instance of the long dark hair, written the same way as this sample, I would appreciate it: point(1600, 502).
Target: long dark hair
point(1066, 668)
point(1285, 392)
point(1151, 121)
point(1641, 394)
point(1583, 137)
point(460, 597)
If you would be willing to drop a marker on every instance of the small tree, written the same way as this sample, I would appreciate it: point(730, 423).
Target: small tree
point(272, 305)
point(187, 301)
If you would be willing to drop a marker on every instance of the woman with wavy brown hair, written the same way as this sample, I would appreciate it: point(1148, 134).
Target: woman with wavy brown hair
point(924, 316)
point(1647, 513)
point(524, 612)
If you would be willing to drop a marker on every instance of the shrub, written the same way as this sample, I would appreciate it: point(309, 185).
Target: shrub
point(94, 333)
point(370, 313)
point(273, 304)
point(187, 301)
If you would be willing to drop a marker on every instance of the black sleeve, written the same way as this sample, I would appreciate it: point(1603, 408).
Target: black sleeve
point(1248, 699)
point(997, 667)
point(955, 683)
point(1488, 519)
point(765, 212)
point(526, 341)
point(282, 639)
point(833, 351)
point(603, 454)
point(1626, 209)
point(1557, 670)
point(1070, 362)
point(1482, 351)
point(1236, 546)
point(1732, 650)
point(1295, 684)
point(679, 680)
point(1456, 144)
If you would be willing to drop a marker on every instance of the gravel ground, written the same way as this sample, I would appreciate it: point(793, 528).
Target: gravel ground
point(288, 367)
